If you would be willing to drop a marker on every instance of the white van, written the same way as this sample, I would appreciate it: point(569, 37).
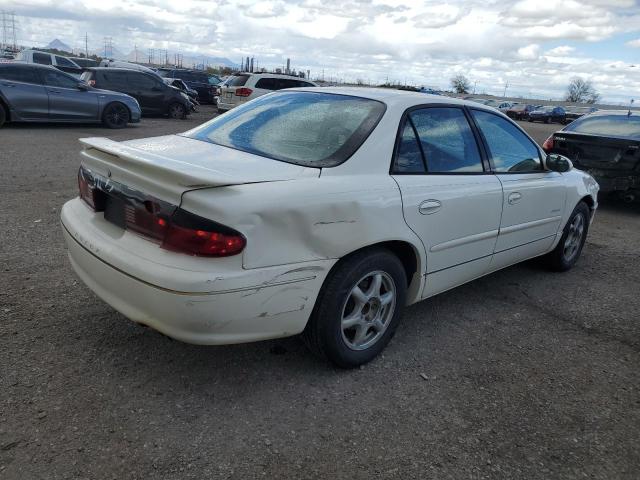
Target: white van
point(44, 58)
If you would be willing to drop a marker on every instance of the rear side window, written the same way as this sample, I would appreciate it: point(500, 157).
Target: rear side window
point(620, 126)
point(511, 150)
point(409, 156)
point(267, 84)
point(304, 128)
point(41, 58)
point(287, 83)
point(64, 62)
point(447, 140)
point(113, 80)
point(237, 80)
point(19, 74)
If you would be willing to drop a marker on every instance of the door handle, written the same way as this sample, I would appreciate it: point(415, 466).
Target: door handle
point(514, 197)
point(429, 206)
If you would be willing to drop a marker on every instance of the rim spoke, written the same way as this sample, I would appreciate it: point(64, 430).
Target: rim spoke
point(352, 320)
point(361, 334)
point(386, 298)
point(377, 325)
point(374, 288)
point(359, 296)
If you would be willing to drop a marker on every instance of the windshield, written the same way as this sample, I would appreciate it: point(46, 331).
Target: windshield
point(305, 128)
point(621, 126)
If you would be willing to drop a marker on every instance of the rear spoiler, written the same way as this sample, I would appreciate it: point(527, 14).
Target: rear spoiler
point(142, 163)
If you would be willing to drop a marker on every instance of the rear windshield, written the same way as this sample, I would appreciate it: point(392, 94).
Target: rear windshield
point(305, 128)
point(237, 80)
point(621, 126)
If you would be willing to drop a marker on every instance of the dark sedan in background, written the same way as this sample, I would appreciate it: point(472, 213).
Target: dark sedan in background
point(39, 93)
point(573, 113)
point(520, 111)
point(197, 80)
point(548, 114)
point(607, 145)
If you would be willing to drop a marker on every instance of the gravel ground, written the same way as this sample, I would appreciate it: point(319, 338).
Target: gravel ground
point(523, 374)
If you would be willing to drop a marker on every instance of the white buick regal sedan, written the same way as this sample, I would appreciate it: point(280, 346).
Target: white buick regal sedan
point(321, 211)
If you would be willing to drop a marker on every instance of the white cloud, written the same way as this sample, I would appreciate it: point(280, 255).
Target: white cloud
point(426, 42)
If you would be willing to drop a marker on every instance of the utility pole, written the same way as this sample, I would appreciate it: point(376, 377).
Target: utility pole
point(506, 85)
point(86, 45)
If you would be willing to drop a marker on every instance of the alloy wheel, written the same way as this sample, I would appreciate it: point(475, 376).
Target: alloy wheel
point(574, 237)
point(368, 310)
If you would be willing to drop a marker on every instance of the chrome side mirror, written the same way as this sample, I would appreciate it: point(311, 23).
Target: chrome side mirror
point(558, 163)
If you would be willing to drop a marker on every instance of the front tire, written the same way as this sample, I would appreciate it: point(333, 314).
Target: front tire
point(358, 309)
point(115, 115)
point(574, 235)
point(177, 111)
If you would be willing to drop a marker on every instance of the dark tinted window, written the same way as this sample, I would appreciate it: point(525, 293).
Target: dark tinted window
point(311, 129)
point(287, 83)
point(237, 80)
point(141, 81)
point(64, 62)
point(111, 79)
point(607, 125)
point(41, 58)
point(510, 149)
point(19, 74)
point(267, 84)
point(198, 77)
point(409, 157)
point(447, 140)
point(59, 79)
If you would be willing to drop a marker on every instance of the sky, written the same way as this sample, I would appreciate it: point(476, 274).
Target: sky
point(527, 47)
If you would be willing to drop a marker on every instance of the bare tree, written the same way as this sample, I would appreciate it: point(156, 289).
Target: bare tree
point(460, 84)
point(581, 91)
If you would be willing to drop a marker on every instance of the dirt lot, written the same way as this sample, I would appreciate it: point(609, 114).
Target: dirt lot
point(529, 375)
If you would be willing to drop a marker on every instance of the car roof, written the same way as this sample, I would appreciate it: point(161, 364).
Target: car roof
point(620, 113)
point(30, 65)
point(117, 69)
point(397, 98)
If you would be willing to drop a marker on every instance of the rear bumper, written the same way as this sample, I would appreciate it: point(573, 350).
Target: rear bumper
point(240, 309)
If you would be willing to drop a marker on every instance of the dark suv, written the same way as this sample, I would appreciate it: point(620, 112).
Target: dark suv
point(39, 93)
point(195, 79)
point(154, 97)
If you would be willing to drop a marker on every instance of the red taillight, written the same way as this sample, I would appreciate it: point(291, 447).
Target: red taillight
point(88, 191)
point(243, 92)
point(175, 229)
point(189, 233)
point(547, 146)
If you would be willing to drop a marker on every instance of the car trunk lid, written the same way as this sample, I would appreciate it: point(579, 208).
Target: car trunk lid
point(166, 167)
point(597, 152)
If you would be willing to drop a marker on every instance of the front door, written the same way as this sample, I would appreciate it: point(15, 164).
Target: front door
point(533, 199)
point(449, 198)
point(149, 92)
point(66, 100)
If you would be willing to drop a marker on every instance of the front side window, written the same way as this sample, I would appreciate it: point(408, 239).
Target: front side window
point(141, 81)
point(59, 79)
point(447, 141)
point(511, 151)
point(64, 62)
point(304, 128)
point(41, 58)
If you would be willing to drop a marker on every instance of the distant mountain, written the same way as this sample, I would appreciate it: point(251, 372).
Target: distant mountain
point(59, 45)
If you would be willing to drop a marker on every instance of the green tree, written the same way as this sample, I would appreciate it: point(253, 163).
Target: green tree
point(460, 84)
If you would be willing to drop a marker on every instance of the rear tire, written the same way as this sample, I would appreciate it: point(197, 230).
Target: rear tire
point(177, 111)
point(358, 308)
point(3, 115)
point(574, 235)
point(115, 115)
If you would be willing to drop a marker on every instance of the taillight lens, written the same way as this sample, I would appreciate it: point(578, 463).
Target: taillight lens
point(175, 229)
point(243, 92)
point(547, 146)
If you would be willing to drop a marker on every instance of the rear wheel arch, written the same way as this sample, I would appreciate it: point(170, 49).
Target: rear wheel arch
point(5, 107)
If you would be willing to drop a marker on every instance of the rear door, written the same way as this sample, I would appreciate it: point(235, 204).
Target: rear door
point(533, 200)
point(21, 86)
point(66, 100)
point(449, 197)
